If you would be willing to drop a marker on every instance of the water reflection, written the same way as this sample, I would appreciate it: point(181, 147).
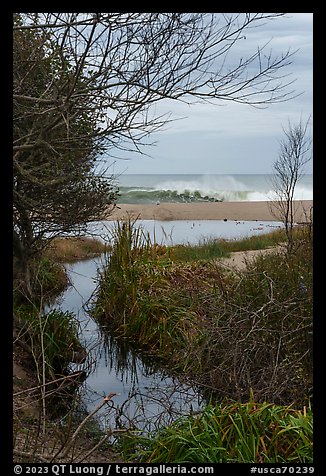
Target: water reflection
point(145, 396)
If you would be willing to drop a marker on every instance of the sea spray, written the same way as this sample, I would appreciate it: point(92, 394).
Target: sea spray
point(207, 188)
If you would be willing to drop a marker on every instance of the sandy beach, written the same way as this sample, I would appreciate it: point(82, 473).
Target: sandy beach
point(259, 210)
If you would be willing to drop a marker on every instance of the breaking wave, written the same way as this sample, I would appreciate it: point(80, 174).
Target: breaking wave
point(204, 189)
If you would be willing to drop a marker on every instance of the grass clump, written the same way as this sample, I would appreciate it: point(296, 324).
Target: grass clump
point(301, 235)
point(71, 249)
point(206, 250)
point(47, 279)
point(255, 242)
point(233, 433)
point(133, 295)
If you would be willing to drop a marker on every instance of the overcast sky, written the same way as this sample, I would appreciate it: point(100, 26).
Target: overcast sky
point(234, 138)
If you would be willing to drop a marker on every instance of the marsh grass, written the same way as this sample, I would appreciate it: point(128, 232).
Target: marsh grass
point(71, 249)
point(255, 242)
point(205, 250)
point(50, 278)
point(228, 333)
point(209, 249)
point(133, 294)
point(233, 433)
point(301, 235)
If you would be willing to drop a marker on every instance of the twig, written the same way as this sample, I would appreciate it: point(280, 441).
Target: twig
point(90, 415)
point(105, 437)
point(102, 440)
point(27, 454)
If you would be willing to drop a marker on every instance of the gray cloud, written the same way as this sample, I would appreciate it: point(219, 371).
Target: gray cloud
point(234, 138)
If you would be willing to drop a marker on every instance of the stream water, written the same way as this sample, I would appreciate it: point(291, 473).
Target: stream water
point(145, 396)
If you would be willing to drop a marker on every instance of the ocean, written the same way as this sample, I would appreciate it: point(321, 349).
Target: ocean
point(187, 188)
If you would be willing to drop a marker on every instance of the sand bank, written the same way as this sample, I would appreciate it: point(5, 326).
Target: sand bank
point(209, 211)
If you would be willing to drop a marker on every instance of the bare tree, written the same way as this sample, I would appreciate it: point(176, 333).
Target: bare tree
point(295, 153)
point(85, 83)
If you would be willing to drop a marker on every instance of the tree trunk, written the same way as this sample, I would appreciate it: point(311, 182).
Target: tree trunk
point(21, 270)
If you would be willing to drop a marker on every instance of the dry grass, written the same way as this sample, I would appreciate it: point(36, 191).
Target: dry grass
point(75, 248)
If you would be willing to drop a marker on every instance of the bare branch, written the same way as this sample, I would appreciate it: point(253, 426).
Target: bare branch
point(86, 83)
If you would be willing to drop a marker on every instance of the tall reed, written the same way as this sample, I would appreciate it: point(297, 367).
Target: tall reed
point(135, 295)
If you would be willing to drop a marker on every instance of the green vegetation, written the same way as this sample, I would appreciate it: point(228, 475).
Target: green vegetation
point(209, 249)
point(46, 404)
point(49, 279)
point(48, 273)
point(129, 293)
point(232, 433)
point(256, 242)
point(205, 250)
point(220, 248)
point(52, 338)
point(234, 334)
point(57, 186)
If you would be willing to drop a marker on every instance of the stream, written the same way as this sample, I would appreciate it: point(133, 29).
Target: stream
point(145, 396)
point(142, 391)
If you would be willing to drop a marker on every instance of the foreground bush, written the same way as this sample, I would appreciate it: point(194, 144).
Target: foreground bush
point(260, 334)
point(234, 433)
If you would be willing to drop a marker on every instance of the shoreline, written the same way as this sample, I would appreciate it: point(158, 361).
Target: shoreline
point(259, 210)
